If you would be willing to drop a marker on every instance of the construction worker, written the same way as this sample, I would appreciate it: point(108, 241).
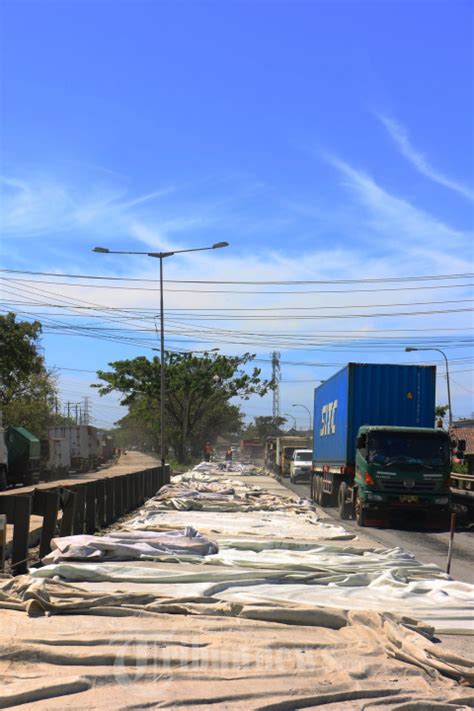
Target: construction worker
point(208, 452)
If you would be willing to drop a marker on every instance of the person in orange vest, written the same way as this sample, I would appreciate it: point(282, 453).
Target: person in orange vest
point(208, 452)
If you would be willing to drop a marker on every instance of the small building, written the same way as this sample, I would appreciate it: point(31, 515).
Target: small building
point(464, 429)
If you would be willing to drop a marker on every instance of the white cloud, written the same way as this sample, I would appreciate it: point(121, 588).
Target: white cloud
point(46, 206)
point(399, 226)
point(393, 238)
point(399, 135)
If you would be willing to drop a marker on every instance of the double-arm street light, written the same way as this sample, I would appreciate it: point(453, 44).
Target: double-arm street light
point(409, 349)
point(161, 256)
point(309, 414)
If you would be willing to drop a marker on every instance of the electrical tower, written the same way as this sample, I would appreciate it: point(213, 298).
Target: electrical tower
point(276, 377)
point(86, 416)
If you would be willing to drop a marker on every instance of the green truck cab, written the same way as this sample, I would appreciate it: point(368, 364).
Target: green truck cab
point(404, 468)
point(24, 456)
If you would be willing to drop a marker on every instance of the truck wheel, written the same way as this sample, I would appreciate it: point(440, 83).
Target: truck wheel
point(324, 497)
point(317, 490)
point(343, 505)
point(359, 512)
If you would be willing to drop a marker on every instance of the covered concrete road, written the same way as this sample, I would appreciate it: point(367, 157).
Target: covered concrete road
point(428, 547)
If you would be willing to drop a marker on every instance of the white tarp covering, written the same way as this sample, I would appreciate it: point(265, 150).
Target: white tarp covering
point(279, 613)
point(124, 545)
point(260, 523)
point(381, 580)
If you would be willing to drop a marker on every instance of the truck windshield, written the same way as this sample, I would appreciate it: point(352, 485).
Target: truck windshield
point(303, 456)
point(402, 447)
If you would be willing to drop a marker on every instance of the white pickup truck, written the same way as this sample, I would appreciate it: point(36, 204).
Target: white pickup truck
point(300, 465)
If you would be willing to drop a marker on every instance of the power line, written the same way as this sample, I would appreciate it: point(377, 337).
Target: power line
point(233, 291)
point(469, 390)
point(193, 309)
point(374, 280)
point(225, 335)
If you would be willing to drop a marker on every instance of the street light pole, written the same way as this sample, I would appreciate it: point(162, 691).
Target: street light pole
point(162, 372)
point(408, 349)
point(161, 256)
point(309, 414)
point(286, 414)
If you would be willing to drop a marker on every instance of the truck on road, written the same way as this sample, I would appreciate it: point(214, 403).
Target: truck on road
point(24, 456)
point(284, 448)
point(376, 453)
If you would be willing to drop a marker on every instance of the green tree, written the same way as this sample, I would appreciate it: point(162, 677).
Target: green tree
point(198, 394)
point(35, 406)
point(28, 390)
point(20, 359)
point(441, 410)
point(263, 427)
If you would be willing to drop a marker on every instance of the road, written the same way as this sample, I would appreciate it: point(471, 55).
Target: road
point(428, 547)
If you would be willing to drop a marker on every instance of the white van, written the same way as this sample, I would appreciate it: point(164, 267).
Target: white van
point(300, 465)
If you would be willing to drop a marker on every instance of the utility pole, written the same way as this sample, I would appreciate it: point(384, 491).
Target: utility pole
point(276, 377)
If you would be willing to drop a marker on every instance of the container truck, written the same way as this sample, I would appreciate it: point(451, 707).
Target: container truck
point(251, 449)
point(83, 445)
point(106, 447)
point(375, 450)
point(23, 456)
point(56, 454)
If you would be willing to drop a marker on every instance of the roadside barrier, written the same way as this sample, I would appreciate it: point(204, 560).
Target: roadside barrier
point(86, 506)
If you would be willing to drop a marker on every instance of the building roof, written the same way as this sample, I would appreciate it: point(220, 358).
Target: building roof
point(26, 434)
point(465, 430)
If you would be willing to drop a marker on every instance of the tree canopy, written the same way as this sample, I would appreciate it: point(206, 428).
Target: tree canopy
point(265, 426)
point(28, 391)
point(20, 358)
point(198, 393)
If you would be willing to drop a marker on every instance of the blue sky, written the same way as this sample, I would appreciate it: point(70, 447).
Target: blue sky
point(323, 140)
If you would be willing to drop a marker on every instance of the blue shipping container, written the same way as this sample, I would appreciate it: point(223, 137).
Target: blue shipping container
point(369, 394)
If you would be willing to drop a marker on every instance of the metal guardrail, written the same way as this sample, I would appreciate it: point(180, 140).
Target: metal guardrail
point(462, 490)
point(86, 507)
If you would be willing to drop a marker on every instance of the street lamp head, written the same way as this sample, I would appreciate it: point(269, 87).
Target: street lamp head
point(409, 349)
point(102, 250)
point(218, 245)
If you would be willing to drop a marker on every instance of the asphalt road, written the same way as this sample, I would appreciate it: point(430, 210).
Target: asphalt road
point(428, 547)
